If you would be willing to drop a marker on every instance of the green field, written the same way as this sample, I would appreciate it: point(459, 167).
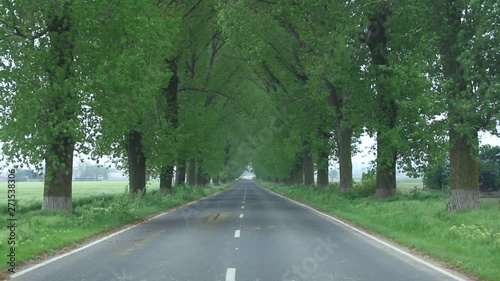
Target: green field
point(409, 184)
point(30, 192)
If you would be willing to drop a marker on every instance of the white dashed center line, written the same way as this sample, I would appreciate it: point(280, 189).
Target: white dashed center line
point(231, 274)
point(237, 233)
point(243, 207)
point(241, 216)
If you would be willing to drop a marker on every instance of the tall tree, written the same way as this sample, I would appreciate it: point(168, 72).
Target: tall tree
point(377, 41)
point(41, 93)
point(171, 116)
point(130, 47)
point(468, 39)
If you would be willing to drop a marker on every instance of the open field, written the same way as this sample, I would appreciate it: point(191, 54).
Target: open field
point(468, 240)
point(28, 193)
point(409, 184)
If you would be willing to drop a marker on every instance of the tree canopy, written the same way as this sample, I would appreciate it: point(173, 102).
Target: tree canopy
point(201, 90)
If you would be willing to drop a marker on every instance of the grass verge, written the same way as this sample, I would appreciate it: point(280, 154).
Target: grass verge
point(468, 241)
point(41, 232)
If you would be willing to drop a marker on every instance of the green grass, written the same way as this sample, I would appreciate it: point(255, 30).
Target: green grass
point(468, 240)
point(97, 208)
point(410, 184)
point(28, 193)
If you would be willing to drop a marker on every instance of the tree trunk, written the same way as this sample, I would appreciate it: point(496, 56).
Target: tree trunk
point(166, 176)
point(180, 175)
point(386, 168)
point(216, 180)
point(461, 101)
point(386, 106)
point(57, 193)
point(191, 173)
point(323, 177)
point(464, 173)
point(297, 176)
point(322, 165)
point(172, 118)
point(345, 158)
point(171, 94)
point(136, 163)
point(308, 166)
point(57, 189)
point(343, 137)
point(201, 177)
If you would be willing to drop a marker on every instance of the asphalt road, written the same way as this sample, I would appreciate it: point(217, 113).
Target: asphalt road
point(242, 234)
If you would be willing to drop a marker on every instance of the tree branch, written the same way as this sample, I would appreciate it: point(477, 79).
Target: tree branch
point(192, 9)
point(207, 91)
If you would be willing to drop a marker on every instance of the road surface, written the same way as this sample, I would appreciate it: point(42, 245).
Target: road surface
point(245, 233)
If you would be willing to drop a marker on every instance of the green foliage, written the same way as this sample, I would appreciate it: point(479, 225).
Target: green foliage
point(41, 94)
point(489, 167)
point(438, 176)
point(366, 187)
point(129, 54)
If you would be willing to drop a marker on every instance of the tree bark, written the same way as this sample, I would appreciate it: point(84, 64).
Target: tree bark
point(322, 180)
point(308, 166)
point(323, 163)
point(464, 173)
point(386, 169)
point(191, 173)
point(180, 175)
point(345, 158)
point(136, 163)
point(166, 177)
point(57, 193)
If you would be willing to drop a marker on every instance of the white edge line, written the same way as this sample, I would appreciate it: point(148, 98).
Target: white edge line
point(237, 234)
point(439, 269)
point(24, 271)
point(19, 273)
point(231, 274)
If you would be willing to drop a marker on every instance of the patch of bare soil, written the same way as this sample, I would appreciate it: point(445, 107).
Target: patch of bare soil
point(4, 275)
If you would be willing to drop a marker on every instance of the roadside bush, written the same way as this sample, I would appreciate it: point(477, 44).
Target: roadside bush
point(366, 187)
point(438, 176)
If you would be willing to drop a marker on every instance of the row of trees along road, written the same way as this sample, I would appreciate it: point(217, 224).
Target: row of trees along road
point(206, 88)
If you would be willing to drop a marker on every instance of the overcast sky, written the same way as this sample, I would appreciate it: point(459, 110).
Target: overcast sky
point(364, 157)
